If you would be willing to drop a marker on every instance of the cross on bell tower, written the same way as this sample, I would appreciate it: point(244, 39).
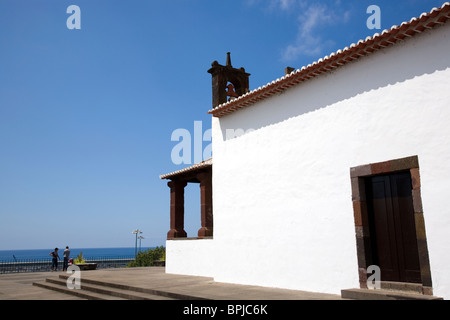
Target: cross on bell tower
point(227, 81)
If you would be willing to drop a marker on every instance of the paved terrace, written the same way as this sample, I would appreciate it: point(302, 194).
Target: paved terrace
point(19, 286)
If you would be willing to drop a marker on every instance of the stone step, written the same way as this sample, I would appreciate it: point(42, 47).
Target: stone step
point(152, 292)
point(402, 286)
point(106, 289)
point(78, 293)
point(384, 294)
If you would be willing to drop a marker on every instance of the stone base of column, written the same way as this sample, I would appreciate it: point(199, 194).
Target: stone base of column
point(173, 233)
point(205, 232)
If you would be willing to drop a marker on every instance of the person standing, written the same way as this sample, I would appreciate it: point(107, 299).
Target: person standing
point(55, 257)
point(66, 255)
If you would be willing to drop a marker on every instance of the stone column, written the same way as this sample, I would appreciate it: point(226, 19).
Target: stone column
point(205, 179)
point(176, 209)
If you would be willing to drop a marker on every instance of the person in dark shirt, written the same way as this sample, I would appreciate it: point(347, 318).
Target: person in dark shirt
point(55, 257)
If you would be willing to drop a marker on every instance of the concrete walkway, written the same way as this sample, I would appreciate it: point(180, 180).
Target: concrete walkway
point(19, 286)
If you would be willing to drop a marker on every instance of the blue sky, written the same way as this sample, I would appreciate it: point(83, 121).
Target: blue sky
point(86, 116)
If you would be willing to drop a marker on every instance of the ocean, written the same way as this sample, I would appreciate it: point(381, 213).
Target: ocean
point(11, 255)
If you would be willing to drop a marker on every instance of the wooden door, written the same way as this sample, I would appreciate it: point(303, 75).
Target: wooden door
point(392, 227)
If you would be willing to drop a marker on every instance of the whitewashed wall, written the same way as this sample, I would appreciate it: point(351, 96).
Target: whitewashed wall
point(190, 257)
point(283, 213)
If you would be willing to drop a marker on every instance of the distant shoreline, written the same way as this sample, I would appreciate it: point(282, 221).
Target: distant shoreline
point(11, 255)
point(63, 247)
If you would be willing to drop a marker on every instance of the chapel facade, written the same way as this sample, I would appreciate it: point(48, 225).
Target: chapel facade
point(343, 165)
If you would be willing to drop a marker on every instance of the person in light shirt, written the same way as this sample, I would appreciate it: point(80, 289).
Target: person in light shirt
point(66, 255)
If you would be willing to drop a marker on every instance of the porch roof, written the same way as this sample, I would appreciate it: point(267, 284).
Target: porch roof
point(189, 170)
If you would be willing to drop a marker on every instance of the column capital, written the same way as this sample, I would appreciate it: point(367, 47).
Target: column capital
point(177, 184)
point(204, 177)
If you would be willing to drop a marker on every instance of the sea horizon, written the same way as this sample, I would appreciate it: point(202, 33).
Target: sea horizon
point(87, 252)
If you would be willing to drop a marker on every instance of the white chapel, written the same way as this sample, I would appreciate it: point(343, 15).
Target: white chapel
point(335, 167)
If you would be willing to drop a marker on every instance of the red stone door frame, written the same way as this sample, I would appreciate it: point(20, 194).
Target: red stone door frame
point(360, 211)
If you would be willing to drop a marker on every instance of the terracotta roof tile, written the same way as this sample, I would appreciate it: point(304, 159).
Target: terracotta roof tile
point(200, 165)
point(430, 20)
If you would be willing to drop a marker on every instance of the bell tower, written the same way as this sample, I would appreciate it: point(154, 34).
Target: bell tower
point(227, 82)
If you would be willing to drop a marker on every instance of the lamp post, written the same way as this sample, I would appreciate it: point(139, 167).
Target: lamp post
point(136, 232)
point(140, 243)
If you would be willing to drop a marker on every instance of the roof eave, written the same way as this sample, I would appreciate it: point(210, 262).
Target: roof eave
point(379, 41)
